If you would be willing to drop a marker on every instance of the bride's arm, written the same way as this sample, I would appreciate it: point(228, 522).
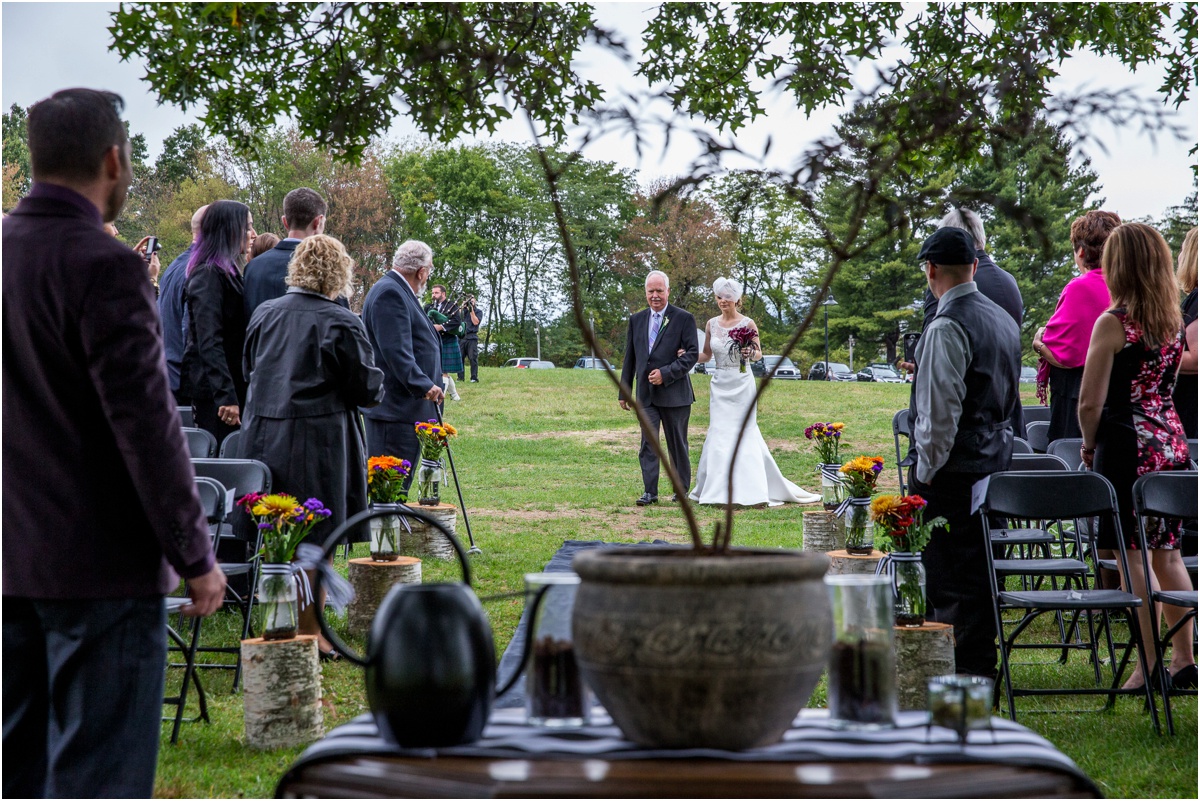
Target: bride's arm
point(706, 353)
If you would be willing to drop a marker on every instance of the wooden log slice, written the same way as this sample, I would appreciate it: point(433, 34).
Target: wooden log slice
point(371, 581)
point(921, 654)
point(822, 533)
point(425, 541)
point(281, 682)
point(842, 563)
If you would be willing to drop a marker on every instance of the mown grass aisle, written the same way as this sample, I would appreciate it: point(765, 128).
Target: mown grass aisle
point(546, 456)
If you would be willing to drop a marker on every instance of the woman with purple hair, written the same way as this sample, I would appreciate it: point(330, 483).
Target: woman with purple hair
point(211, 373)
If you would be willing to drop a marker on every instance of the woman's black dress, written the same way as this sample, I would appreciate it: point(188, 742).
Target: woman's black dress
point(211, 372)
point(1186, 387)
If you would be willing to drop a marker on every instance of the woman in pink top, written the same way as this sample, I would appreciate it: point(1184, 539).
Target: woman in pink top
point(1063, 343)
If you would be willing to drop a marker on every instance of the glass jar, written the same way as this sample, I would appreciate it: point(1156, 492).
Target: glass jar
point(908, 588)
point(960, 703)
point(862, 662)
point(430, 476)
point(277, 601)
point(385, 534)
point(860, 530)
point(555, 693)
point(832, 489)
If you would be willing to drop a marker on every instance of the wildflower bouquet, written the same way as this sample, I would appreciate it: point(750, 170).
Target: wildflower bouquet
point(901, 523)
point(740, 338)
point(860, 475)
point(283, 521)
point(434, 438)
point(827, 436)
point(385, 479)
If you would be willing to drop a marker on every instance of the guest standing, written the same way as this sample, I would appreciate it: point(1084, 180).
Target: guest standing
point(212, 359)
point(1185, 387)
point(310, 368)
point(262, 243)
point(266, 276)
point(1128, 420)
point(1063, 343)
point(171, 310)
point(446, 322)
point(472, 315)
point(100, 507)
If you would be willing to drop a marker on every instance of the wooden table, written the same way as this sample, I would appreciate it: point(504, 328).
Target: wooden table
point(356, 767)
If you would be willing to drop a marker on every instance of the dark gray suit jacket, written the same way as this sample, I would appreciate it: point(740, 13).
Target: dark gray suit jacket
point(265, 276)
point(677, 332)
point(407, 348)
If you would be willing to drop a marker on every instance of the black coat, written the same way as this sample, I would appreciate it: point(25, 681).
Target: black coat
point(212, 357)
point(310, 368)
point(677, 332)
point(407, 349)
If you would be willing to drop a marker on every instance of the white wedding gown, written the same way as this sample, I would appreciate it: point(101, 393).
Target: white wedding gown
point(757, 479)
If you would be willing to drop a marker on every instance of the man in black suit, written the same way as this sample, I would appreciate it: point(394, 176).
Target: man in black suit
point(101, 515)
point(265, 277)
point(653, 347)
point(408, 350)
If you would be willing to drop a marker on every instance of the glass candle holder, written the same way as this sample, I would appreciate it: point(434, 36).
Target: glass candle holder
point(862, 662)
point(960, 703)
point(556, 695)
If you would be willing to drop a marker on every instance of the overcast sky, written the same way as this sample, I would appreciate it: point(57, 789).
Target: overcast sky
point(50, 46)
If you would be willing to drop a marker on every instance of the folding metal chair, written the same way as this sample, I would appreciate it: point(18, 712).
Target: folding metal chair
point(212, 499)
point(230, 445)
point(187, 417)
point(201, 444)
point(1059, 495)
point(1170, 495)
point(1038, 435)
point(1035, 414)
point(242, 476)
point(1068, 450)
point(900, 428)
point(1021, 446)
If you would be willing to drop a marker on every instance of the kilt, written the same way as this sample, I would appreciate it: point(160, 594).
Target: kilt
point(451, 355)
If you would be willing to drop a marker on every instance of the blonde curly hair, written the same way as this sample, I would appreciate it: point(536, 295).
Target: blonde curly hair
point(321, 264)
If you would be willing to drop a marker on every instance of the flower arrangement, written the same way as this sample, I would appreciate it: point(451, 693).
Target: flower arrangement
point(284, 522)
point(899, 519)
point(385, 479)
point(860, 475)
point(827, 436)
point(434, 438)
point(741, 338)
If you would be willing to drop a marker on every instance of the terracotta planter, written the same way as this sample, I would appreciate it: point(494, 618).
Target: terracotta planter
point(693, 651)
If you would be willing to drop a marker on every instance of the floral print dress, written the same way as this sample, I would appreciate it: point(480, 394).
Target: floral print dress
point(1140, 431)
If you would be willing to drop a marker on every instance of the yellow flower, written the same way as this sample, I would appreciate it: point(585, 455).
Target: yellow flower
point(275, 506)
point(837, 426)
point(449, 429)
point(861, 464)
point(886, 505)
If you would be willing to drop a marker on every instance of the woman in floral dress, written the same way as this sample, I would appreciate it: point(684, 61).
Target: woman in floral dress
point(1128, 419)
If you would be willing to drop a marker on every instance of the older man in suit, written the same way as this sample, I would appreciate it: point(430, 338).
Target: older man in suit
point(660, 349)
point(89, 428)
point(407, 349)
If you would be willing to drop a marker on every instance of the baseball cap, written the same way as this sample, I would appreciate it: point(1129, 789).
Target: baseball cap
point(948, 246)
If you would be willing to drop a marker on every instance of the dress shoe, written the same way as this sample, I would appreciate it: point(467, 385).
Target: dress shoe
point(647, 499)
point(474, 380)
point(1185, 679)
point(674, 497)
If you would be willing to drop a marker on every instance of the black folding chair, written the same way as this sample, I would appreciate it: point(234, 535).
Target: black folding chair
point(1169, 495)
point(1021, 446)
point(229, 445)
point(242, 476)
point(900, 428)
point(1068, 450)
point(201, 444)
point(1035, 414)
point(212, 498)
point(1060, 495)
point(187, 418)
point(1038, 435)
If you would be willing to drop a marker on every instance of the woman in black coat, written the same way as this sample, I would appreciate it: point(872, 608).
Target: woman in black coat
point(310, 368)
point(211, 372)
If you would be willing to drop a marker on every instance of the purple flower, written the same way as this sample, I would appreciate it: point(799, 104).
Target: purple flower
point(312, 505)
point(265, 526)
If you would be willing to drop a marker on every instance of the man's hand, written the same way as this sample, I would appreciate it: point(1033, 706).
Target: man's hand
point(438, 328)
point(435, 394)
point(655, 378)
point(907, 367)
point(207, 593)
point(1088, 456)
point(624, 404)
point(229, 415)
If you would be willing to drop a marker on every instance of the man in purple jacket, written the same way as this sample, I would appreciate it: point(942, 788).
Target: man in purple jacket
point(100, 511)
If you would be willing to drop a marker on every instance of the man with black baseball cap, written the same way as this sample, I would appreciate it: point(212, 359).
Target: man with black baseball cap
point(964, 395)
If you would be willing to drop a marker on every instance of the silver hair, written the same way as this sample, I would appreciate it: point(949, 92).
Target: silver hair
point(968, 221)
point(659, 274)
point(412, 257)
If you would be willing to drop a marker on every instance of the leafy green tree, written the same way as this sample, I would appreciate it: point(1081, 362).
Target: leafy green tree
point(17, 174)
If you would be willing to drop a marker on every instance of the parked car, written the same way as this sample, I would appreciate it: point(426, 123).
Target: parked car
point(541, 365)
point(882, 373)
point(524, 361)
point(786, 369)
point(592, 363)
point(840, 372)
point(1028, 375)
point(702, 369)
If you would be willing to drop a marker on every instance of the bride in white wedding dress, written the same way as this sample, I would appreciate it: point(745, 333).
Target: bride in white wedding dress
point(757, 479)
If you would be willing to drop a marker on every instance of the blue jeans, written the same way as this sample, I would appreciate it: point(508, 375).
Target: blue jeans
point(83, 693)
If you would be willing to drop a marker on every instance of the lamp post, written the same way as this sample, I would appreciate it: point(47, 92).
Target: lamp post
point(829, 301)
point(538, 333)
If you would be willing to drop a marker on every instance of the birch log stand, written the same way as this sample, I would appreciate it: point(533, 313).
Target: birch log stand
point(822, 533)
point(843, 563)
point(282, 692)
point(426, 541)
point(922, 653)
point(371, 581)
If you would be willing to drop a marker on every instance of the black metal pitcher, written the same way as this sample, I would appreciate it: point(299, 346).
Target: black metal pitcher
point(430, 666)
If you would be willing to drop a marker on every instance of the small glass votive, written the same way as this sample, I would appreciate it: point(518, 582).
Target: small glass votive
point(960, 703)
point(556, 695)
point(862, 662)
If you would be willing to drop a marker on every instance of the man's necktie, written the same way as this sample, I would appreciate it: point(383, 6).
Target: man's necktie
point(654, 326)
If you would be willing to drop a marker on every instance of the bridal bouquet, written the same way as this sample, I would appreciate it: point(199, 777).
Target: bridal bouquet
point(827, 436)
point(860, 475)
point(739, 338)
point(901, 519)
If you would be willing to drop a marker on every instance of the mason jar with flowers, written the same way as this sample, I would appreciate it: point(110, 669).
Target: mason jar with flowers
point(903, 534)
point(284, 523)
point(385, 489)
point(431, 474)
point(859, 476)
point(827, 437)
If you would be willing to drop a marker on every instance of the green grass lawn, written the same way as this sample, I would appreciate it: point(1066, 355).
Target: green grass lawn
point(546, 456)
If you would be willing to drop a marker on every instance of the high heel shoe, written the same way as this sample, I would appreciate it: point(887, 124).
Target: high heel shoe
point(1185, 679)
